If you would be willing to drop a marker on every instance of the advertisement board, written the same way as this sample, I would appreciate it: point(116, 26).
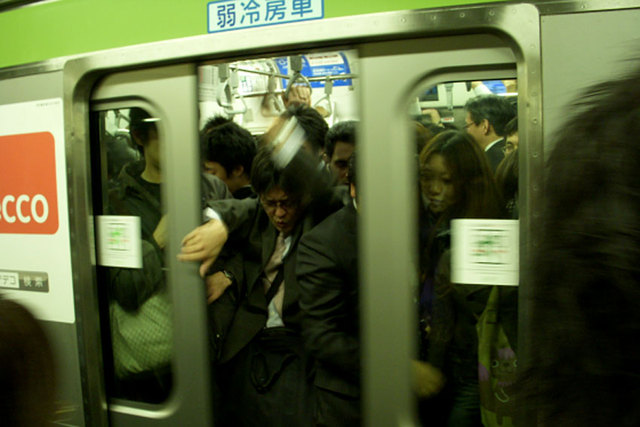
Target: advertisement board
point(35, 256)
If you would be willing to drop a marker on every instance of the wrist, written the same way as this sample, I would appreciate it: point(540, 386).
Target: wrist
point(229, 276)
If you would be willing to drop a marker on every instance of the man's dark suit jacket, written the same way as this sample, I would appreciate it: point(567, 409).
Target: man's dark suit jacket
point(496, 154)
point(253, 234)
point(328, 277)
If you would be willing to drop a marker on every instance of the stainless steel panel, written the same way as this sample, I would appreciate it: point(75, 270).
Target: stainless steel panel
point(583, 58)
point(23, 88)
point(80, 392)
point(69, 400)
point(572, 6)
point(171, 93)
point(390, 72)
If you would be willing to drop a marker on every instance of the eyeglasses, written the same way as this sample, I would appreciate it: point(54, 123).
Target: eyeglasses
point(286, 205)
point(466, 125)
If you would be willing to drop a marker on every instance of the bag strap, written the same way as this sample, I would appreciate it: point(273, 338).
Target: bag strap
point(273, 289)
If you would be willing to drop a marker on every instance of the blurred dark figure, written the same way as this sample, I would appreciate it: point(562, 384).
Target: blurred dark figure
point(27, 373)
point(585, 305)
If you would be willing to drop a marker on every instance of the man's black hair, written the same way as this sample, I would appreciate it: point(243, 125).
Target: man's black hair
point(511, 127)
point(139, 126)
point(314, 126)
point(496, 109)
point(265, 175)
point(341, 131)
point(228, 144)
point(214, 122)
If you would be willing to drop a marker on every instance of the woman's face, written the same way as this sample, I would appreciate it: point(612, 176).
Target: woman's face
point(437, 184)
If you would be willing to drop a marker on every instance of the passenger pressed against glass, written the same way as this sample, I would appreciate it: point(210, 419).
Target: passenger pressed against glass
point(340, 145)
point(437, 185)
point(260, 352)
point(140, 311)
point(227, 152)
point(456, 181)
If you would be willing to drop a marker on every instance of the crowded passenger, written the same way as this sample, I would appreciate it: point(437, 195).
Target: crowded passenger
point(339, 146)
point(511, 136)
point(584, 308)
point(262, 368)
point(227, 152)
point(327, 269)
point(457, 181)
point(486, 118)
point(140, 310)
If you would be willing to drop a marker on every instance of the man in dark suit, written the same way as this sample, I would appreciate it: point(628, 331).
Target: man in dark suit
point(487, 115)
point(328, 276)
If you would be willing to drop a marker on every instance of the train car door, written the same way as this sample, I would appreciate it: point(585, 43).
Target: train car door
point(400, 56)
point(392, 75)
point(147, 121)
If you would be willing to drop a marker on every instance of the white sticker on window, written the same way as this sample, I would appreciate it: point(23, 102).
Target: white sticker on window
point(119, 241)
point(485, 252)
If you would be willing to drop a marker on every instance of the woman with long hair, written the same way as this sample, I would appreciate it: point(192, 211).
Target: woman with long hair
point(457, 182)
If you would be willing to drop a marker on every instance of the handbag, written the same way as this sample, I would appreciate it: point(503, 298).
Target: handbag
point(497, 365)
point(142, 339)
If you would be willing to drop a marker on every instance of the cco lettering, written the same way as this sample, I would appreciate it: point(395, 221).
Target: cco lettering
point(23, 208)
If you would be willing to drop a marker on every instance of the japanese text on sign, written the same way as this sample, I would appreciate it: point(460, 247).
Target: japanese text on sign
point(226, 15)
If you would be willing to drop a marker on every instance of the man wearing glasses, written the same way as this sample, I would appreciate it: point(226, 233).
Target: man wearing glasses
point(486, 118)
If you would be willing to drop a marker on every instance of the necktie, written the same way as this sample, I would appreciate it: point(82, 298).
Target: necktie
point(270, 273)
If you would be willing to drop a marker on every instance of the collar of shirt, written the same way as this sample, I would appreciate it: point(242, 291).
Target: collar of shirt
point(287, 246)
point(492, 144)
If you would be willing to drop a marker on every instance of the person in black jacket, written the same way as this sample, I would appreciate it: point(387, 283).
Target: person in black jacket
point(227, 152)
point(486, 118)
point(584, 299)
point(137, 192)
point(327, 270)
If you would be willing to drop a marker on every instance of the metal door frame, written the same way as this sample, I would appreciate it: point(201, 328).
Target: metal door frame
point(517, 24)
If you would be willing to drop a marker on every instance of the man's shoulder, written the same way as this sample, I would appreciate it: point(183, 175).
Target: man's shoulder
point(334, 227)
point(216, 188)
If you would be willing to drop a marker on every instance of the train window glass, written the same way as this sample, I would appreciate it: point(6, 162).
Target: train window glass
point(253, 92)
point(258, 362)
point(138, 364)
point(466, 144)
